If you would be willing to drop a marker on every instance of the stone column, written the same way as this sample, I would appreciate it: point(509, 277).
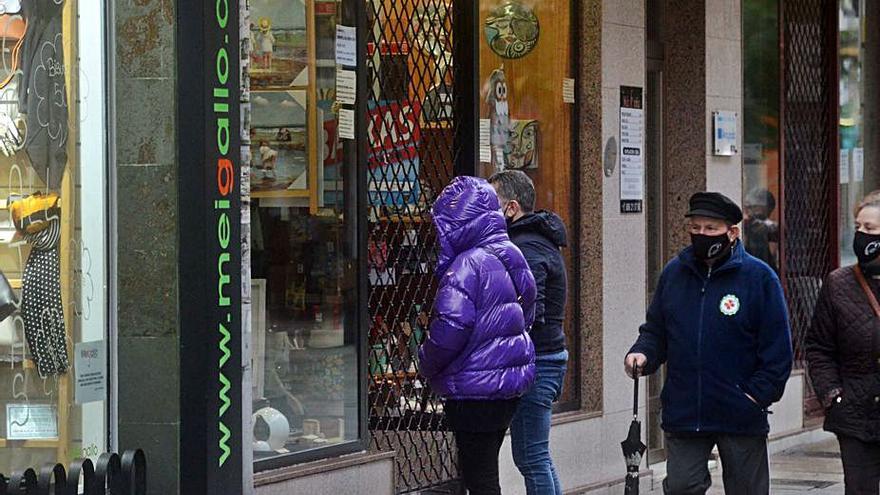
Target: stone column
point(684, 116)
point(146, 170)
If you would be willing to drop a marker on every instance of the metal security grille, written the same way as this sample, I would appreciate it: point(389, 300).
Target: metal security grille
point(411, 152)
point(810, 157)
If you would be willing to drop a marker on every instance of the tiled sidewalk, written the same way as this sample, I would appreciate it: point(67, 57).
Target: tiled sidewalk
point(811, 469)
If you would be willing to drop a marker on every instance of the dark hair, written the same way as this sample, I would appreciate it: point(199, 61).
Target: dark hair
point(515, 185)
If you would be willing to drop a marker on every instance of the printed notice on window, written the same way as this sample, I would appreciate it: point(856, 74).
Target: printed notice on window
point(568, 90)
point(632, 156)
point(31, 422)
point(844, 166)
point(858, 164)
point(346, 123)
point(90, 371)
point(485, 141)
point(346, 86)
point(346, 46)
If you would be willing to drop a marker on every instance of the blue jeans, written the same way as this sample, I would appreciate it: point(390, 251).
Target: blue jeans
point(530, 429)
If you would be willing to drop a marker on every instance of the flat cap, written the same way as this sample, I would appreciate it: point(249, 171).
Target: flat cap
point(715, 205)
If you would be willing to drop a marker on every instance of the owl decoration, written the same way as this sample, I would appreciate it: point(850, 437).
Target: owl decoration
point(523, 145)
point(499, 118)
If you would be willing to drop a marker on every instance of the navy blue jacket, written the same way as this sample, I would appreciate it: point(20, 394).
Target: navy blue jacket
point(723, 334)
point(541, 236)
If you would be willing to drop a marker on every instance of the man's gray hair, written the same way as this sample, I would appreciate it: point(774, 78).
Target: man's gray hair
point(515, 185)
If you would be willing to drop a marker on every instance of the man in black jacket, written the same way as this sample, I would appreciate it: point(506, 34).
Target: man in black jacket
point(540, 236)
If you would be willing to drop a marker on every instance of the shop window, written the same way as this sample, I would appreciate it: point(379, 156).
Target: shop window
point(526, 61)
point(305, 339)
point(53, 346)
point(859, 69)
point(761, 198)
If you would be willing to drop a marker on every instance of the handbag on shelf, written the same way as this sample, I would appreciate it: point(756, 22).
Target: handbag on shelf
point(8, 298)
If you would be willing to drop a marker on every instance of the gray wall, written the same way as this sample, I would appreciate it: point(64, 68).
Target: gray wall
point(147, 235)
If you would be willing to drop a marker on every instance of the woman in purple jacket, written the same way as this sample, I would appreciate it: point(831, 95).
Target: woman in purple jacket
point(478, 354)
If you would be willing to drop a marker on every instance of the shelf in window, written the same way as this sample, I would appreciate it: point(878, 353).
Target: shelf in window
point(29, 444)
point(436, 125)
point(281, 194)
point(402, 219)
point(395, 376)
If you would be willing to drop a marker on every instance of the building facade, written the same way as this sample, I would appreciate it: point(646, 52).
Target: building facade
point(243, 266)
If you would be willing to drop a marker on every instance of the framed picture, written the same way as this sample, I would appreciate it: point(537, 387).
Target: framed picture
point(279, 144)
point(279, 38)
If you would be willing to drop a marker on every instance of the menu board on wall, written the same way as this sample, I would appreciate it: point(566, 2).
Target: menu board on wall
point(632, 155)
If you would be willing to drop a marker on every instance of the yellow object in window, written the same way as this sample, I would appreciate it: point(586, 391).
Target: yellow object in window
point(33, 213)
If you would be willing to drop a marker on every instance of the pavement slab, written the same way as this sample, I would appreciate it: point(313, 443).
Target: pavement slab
point(812, 469)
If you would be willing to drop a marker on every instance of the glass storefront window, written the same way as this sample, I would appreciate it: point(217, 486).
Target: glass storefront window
point(305, 345)
point(859, 68)
point(526, 54)
point(53, 347)
point(761, 130)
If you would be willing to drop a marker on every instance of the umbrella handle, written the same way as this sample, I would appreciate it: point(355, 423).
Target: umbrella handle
point(635, 391)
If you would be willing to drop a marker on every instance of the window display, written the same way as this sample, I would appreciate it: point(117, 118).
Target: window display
point(524, 70)
point(761, 175)
point(859, 105)
point(305, 346)
point(53, 351)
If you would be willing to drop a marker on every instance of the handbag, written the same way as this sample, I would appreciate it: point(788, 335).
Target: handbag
point(872, 299)
point(8, 299)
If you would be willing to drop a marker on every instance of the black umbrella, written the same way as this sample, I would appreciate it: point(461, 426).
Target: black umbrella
point(633, 448)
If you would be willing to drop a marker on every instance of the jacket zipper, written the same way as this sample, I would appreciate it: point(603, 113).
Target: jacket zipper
point(700, 352)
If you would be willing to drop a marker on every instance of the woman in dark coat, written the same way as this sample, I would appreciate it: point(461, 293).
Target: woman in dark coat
point(843, 354)
point(478, 354)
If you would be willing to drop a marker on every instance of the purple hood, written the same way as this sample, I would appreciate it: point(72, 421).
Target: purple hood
point(478, 346)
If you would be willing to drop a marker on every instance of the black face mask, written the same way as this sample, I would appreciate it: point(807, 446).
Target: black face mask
point(866, 247)
point(707, 247)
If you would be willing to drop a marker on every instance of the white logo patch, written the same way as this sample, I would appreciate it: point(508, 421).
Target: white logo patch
point(729, 305)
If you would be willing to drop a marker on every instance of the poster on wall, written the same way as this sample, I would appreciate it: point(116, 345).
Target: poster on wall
point(394, 133)
point(632, 150)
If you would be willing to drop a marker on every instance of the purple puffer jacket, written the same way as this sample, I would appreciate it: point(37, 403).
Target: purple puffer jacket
point(478, 347)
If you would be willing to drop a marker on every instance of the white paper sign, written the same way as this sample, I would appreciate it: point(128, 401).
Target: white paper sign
point(346, 86)
point(725, 133)
point(31, 422)
point(858, 159)
point(632, 156)
point(346, 46)
point(844, 166)
point(346, 123)
point(90, 371)
point(568, 90)
point(485, 141)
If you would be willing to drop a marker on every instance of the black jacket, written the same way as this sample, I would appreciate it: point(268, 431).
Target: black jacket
point(842, 354)
point(540, 236)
